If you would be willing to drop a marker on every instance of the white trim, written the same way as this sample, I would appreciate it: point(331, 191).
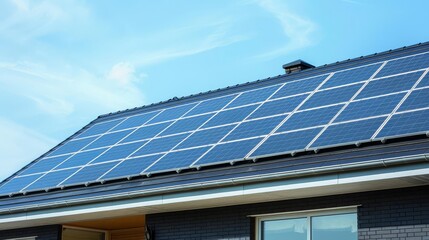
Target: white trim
point(23, 238)
point(305, 214)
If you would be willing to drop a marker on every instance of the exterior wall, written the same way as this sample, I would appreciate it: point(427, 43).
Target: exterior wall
point(52, 232)
point(389, 215)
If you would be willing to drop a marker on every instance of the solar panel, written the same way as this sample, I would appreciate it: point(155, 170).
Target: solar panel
point(135, 121)
point(51, 179)
point(406, 123)
point(81, 158)
point(206, 136)
point(254, 128)
point(351, 76)
point(286, 142)
point(331, 96)
point(405, 64)
point(253, 96)
point(370, 107)
point(186, 125)
point(100, 128)
point(159, 145)
point(131, 167)
point(312, 112)
point(298, 87)
point(310, 118)
point(178, 160)
point(389, 85)
point(349, 132)
point(278, 106)
point(424, 82)
point(88, 173)
point(45, 164)
point(228, 152)
point(417, 99)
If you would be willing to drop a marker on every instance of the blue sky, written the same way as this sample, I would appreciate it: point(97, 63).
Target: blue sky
point(63, 63)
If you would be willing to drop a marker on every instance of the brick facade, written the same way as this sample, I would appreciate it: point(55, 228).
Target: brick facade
point(389, 215)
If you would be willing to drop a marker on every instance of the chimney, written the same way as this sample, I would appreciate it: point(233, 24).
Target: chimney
point(296, 66)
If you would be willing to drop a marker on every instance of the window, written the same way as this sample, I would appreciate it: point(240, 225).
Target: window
point(309, 225)
point(73, 233)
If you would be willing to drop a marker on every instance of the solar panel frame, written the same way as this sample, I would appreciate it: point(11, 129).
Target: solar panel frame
point(400, 103)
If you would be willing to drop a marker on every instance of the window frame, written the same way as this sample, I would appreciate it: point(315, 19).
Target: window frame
point(106, 232)
point(308, 214)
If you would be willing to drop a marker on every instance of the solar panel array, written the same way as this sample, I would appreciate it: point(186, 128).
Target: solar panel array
point(371, 102)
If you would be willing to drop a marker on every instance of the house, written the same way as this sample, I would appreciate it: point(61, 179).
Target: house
point(339, 151)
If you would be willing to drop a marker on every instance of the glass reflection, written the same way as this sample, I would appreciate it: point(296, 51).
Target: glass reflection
point(287, 229)
point(341, 227)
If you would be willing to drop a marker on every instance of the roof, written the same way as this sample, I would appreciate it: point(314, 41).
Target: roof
point(379, 95)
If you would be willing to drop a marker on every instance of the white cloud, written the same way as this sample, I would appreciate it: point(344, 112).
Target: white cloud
point(296, 28)
point(59, 91)
point(18, 146)
point(28, 19)
point(122, 72)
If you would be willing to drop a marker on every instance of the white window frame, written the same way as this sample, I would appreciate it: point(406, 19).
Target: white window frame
point(308, 214)
point(106, 233)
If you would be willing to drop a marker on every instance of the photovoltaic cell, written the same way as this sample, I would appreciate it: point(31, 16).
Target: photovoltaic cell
point(211, 105)
point(81, 158)
point(228, 151)
point(135, 121)
point(230, 116)
point(131, 167)
point(417, 99)
point(100, 128)
point(286, 142)
point(89, 173)
point(424, 82)
point(187, 124)
point(72, 146)
point(108, 139)
point(405, 65)
point(389, 85)
point(406, 123)
point(119, 152)
point(301, 86)
point(253, 96)
point(207, 136)
point(51, 179)
point(331, 96)
point(146, 132)
point(310, 118)
point(351, 76)
point(159, 145)
point(178, 160)
point(16, 184)
point(254, 128)
point(348, 132)
point(172, 113)
point(279, 106)
point(44, 165)
point(371, 107)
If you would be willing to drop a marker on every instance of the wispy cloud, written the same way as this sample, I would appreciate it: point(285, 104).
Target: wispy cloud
point(12, 155)
point(59, 92)
point(297, 29)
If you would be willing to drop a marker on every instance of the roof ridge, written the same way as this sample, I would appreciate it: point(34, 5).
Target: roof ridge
point(261, 80)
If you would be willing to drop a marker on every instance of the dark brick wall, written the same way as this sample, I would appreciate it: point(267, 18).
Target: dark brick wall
point(389, 215)
point(52, 232)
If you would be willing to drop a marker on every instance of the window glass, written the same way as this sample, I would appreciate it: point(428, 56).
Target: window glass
point(336, 224)
point(342, 226)
point(288, 229)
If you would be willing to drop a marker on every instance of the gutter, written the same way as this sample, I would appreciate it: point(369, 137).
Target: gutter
point(388, 162)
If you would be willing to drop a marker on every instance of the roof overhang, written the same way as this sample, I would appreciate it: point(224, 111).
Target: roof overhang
point(391, 175)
